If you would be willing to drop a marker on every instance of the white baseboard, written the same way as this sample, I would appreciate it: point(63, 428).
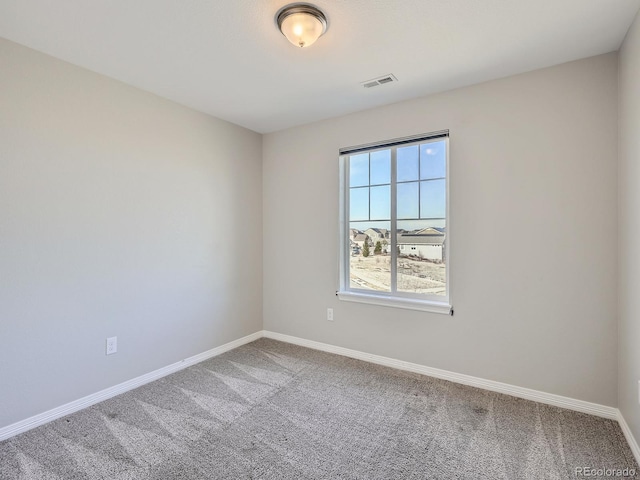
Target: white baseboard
point(629, 436)
point(520, 392)
point(76, 405)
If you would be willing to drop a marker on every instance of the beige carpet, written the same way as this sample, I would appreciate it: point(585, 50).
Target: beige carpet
point(270, 410)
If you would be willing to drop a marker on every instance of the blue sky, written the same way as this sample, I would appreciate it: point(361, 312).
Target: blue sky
point(421, 189)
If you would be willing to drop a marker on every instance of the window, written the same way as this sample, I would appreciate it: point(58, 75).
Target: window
point(394, 212)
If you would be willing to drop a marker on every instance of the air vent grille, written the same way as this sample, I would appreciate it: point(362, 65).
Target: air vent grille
point(379, 81)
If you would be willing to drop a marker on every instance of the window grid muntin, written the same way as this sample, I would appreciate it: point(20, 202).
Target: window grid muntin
point(369, 185)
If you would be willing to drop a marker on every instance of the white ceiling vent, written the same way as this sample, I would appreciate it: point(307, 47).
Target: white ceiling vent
point(379, 81)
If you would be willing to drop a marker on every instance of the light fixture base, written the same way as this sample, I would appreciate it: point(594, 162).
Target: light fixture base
point(301, 23)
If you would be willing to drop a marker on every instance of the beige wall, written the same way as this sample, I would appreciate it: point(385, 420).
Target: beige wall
point(533, 232)
point(120, 214)
point(629, 227)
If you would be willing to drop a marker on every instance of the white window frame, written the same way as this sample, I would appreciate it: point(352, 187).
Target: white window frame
point(407, 300)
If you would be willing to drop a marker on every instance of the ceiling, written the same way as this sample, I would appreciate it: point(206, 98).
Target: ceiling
point(227, 58)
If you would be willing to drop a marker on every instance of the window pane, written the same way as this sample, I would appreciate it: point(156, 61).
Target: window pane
point(433, 199)
point(359, 203)
point(380, 167)
point(359, 170)
point(408, 163)
point(433, 160)
point(421, 263)
point(369, 256)
point(408, 199)
point(380, 203)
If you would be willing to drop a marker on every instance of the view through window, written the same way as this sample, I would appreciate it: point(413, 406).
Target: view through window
point(396, 215)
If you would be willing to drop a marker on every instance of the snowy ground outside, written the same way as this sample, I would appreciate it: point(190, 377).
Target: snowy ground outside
point(416, 276)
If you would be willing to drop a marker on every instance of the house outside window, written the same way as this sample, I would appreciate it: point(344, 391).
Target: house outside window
point(394, 240)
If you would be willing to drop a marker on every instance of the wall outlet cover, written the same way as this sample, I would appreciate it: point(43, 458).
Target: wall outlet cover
point(112, 345)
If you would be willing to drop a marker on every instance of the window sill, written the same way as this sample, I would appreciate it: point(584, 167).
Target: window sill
point(397, 302)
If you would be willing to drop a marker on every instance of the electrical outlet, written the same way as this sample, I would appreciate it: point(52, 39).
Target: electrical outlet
point(112, 345)
point(330, 314)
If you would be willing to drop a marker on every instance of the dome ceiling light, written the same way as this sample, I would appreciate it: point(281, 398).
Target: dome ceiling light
point(301, 23)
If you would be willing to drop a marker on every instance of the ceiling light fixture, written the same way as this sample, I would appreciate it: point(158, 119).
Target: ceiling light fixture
point(301, 23)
